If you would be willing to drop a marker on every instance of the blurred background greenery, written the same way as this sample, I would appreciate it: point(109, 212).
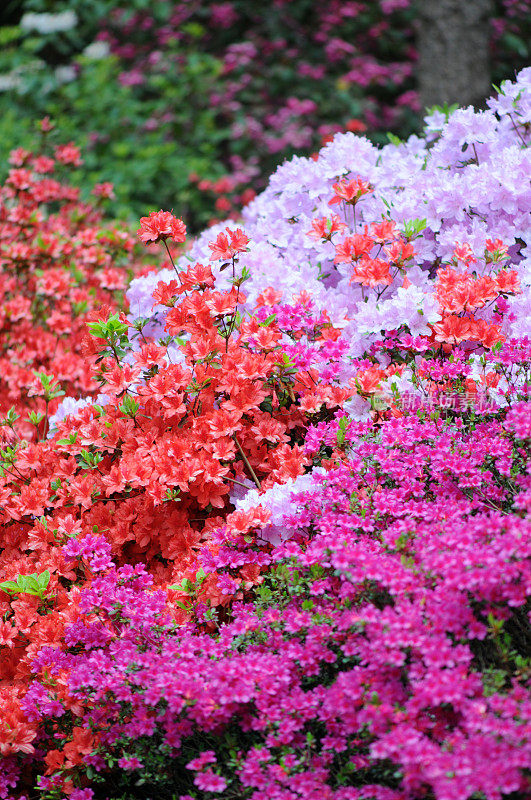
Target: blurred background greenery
point(190, 106)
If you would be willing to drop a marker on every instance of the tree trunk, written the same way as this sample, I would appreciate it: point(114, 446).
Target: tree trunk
point(453, 46)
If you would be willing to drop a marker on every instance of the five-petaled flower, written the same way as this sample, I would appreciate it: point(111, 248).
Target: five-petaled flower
point(226, 247)
point(350, 191)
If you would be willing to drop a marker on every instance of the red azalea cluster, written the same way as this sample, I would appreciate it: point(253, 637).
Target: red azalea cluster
point(68, 154)
point(369, 268)
point(460, 294)
point(230, 193)
point(56, 267)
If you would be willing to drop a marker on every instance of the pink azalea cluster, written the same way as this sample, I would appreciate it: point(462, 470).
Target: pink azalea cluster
point(383, 654)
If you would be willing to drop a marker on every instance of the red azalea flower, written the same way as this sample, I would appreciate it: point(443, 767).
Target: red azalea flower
point(161, 225)
point(325, 227)
point(105, 189)
point(463, 252)
point(353, 247)
point(350, 191)
point(68, 154)
point(226, 247)
point(507, 281)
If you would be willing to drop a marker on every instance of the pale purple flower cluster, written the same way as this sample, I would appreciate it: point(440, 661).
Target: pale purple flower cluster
point(468, 178)
point(69, 407)
point(279, 500)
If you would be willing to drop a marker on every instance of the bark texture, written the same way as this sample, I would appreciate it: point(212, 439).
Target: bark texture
point(453, 46)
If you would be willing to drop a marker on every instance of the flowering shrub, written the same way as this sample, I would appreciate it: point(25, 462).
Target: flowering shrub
point(239, 91)
point(401, 256)
point(292, 79)
point(385, 654)
point(286, 554)
point(57, 265)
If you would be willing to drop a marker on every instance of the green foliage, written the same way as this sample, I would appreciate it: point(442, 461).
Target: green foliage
point(413, 227)
point(114, 332)
point(120, 131)
point(285, 582)
point(50, 386)
point(35, 584)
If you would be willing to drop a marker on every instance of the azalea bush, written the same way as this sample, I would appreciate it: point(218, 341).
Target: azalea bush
point(58, 263)
point(198, 103)
point(285, 553)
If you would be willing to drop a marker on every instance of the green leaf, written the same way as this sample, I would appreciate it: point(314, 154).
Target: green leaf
point(9, 586)
point(65, 442)
point(181, 605)
point(394, 139)
point(129, 406)
point(515, 43)
point(43, 579)
point(34, 584)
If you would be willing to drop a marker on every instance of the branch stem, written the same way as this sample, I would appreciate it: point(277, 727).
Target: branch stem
point(246, 461)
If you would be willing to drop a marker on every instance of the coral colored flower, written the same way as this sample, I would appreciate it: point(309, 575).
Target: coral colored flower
point(325, 227)
point(353, 247)
point(495, 250)
point(507, 281)
point(222, 204)
point(367, 381)
point(228, 244)
point(46, 125)
point(371, 272)
point(350, 191)
point(20, 178)
point(453, 329)
point(19, 157)
point(355, 126)
point(488, 334)
point(399, 251)
point(269, 297)
point(43, 164)
point(161, 225)
point(464, 253)
point(383, 231)
point(68, 154)
point(105, 189)
point(54, 759)
point(8, 634)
